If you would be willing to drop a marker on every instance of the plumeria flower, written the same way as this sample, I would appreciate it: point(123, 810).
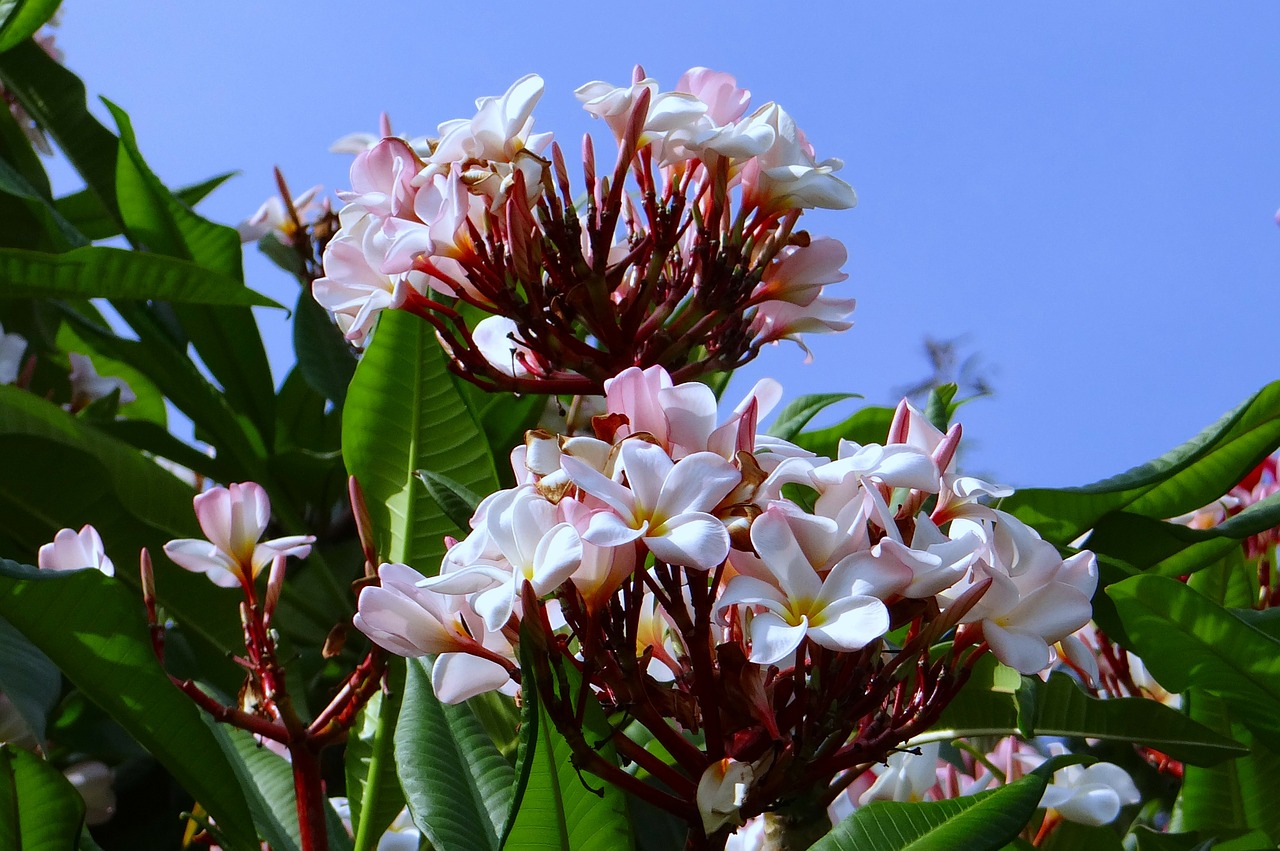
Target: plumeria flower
point(907, 777)
point(408, 620)
point(666, 504)
point(1091, 794)
point(87, 386)
point(535, 549)
point(12, 348)
point(498, 339)
point(359, 142)
point(401, 835)
point(272, 217)
point(353, 289)
point(668, 111)
point(843, 612)
point(71, 550)
point(721, 791)
point(93, 780)
point(788, 175)
point(234, 518)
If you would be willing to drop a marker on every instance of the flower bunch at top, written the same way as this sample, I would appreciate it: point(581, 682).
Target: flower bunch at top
point(684, 255)
point(704, 577)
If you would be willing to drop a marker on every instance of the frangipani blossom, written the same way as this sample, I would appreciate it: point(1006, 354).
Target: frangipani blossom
point(272, 217)
point(352, 288)
point(721, 790)
point(666, 504)
point(87, 386)
point(843, 612)
point(498, 339)
point(401, 616)
point(1091, 794)
point(234, 518)
point(907, 777)
point(71, 550)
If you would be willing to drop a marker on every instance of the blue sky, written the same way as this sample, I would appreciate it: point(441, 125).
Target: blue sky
point(1086, 192)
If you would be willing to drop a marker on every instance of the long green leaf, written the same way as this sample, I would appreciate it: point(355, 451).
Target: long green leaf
point(39, 808)
point(14, 183)
point(373, 789)
point(92, 628)
point(870, 425)
point(99, 272)
point(267, 781)
point(1190, 476)
point(983, 822)
point(84, 211)
point(28, 678)
point(402, 415)
point(324, 358)
point(1188, 641)
point(985, 707)
point(458, 785)
point(20, 19)
point(797, 414)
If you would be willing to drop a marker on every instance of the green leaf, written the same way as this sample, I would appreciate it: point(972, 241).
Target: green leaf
point(986, 707)
point(28, 678)
point(267, 781)
point(457, 501)
point(988, 820)
point(39, 808)
point(402, 415)
point(797, 413)
point(91, 627)
point(325, 359)
point(14, 183)
point(1188, 641)
point(84, 211)
point(1070, 836)
point(1190, 476)
point(870, 425)
point(373, 789)
point(55, 98)
point(20, 19)
point(1234, 797)
point(458, 786)
point(555, 807)
point(941, 406)
point(99, 272)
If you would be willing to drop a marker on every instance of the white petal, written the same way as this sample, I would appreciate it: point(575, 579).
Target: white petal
point(773, 639)
point(1026, 653)
point(690, 540)
point(458, 676)
point(558, 555)
point(850, 624)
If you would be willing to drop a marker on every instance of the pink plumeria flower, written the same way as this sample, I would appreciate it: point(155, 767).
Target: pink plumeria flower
point(666, 504)
point(843, 612)
point(799, 273)
point(353, 289)
point(71, 550)
point(408, 620)
point(234, 518)
point(87, 386)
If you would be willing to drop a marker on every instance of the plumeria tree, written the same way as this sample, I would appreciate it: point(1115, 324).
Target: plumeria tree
point(496, 566)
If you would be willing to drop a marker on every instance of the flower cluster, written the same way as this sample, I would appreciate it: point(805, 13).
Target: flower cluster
point(686, 255)
point(791, 607)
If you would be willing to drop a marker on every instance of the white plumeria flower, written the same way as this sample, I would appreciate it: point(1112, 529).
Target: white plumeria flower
point(12, 348)
point(1091, 795)
point(353, 289)
point(721, 791)
point(906, 778)
point(408, 620)
point(234, 518)
point(498, 339)
point(787, 175)
point(273, 217)
point(71, 550)
point(93, 780)
point(936, 561)
point(843, 612)
point(535, 549)
point(87, 386)
point(500, 129)
point(669, 112)
point(666, 504)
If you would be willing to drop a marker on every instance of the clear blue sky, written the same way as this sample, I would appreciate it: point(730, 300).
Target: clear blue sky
point(1086, 191)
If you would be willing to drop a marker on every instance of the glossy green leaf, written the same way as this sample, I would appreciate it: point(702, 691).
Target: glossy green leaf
point(987, 707)
point(558, 807)
point(402, 415)
point(982, 822)
point(267, 781)
point(1234, 797)
point(226, 338)
point(1188, 641)
point(85, 212)
point(1146, 839)
point(1070, 836)
point(870, 425)
point(457, 501)
point(39, 808)
point(325, 359)
point(28, 678)
point(55, 97)
point(20, 19)
point(92, 628)
point(941, 406)
point(373, 789)
point(1190, 476)
point(797, 413)
point(99, 272)
point(458, 786)
point(15, 184)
